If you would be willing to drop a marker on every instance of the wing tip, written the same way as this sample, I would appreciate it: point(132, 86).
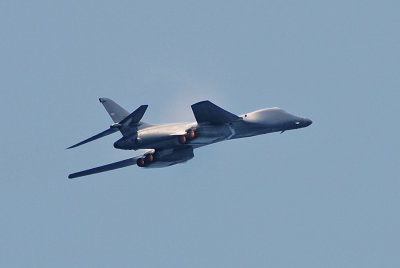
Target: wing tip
point(75, 175)
point(75, 145)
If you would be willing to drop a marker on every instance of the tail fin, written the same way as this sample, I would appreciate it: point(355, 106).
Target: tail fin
point(116, 112)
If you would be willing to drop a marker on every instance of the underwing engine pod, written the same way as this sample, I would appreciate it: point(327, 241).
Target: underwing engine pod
point(190, 134)
point(140, 162)
point(182, 139)
point(149, 158)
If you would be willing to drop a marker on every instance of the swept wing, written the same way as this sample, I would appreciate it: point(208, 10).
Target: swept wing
point(119, 164)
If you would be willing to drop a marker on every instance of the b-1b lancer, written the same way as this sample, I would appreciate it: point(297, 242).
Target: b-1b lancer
point(173, 143)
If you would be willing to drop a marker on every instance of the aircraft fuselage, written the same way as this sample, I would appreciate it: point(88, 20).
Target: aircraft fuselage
point(254, 123)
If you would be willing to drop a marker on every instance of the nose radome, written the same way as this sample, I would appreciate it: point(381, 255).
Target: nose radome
point(307, 122)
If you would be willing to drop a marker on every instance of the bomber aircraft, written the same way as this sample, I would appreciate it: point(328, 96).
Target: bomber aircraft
point(173, 143)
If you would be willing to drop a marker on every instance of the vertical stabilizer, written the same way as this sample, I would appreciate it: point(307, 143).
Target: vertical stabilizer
point(116, 112)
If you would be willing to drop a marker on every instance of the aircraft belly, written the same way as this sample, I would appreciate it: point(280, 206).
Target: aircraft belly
point(158, 142)
point(204, 140)
point(160, 164)
point(207, 134)
point(246, 129)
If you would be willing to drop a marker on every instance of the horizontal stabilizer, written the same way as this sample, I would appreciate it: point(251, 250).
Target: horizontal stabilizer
point(95, 137)
point(208, 112)
point(119, 164)
point(134, 118)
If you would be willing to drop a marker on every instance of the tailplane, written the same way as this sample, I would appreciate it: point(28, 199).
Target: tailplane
point(128, 124)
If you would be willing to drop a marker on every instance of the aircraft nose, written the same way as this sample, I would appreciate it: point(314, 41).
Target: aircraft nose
point(307, 122)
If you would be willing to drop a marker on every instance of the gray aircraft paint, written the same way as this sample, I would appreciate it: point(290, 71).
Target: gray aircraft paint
point(170, 144)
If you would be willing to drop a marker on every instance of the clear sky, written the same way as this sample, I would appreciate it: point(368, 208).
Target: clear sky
point(323, 196)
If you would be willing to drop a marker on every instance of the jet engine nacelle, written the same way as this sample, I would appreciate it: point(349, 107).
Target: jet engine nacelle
point(167, 157)
point(190, 134)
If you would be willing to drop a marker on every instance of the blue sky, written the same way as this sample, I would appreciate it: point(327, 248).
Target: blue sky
point(324, 196)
